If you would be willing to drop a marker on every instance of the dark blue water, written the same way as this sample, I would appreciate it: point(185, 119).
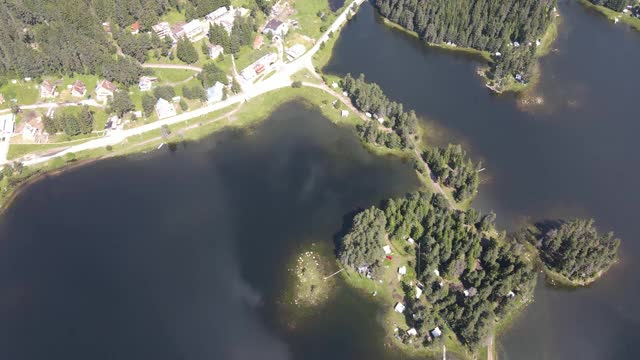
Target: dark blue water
point(575, 155)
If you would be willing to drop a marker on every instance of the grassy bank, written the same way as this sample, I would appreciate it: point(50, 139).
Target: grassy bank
point(612, 15)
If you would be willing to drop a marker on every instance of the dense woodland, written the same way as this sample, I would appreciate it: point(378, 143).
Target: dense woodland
point(368, 97)
point(575, 249)
point(60, 37)
point(455, 252)
point(451, 167)
point(491, 25)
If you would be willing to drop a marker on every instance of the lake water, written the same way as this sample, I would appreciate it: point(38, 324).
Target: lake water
point(184, 255)
point(575, 155)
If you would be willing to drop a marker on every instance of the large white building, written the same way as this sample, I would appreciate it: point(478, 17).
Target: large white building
point(163, 29)
point(193, 30)
point(165, 109)
point(295, 51)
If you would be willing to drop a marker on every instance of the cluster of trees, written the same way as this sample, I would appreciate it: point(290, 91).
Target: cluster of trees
point(466, 252)
point(617, 5)
point(575, 249)
point(451, 167)
point(185, 51)
point(40, 37)
point(138, 46)
point(480, 24)
point(123, 13)
point(70, 122)
point(362, 245)
point(241, 34)
point(368, 97)
point(210, 74)
point(196, 92)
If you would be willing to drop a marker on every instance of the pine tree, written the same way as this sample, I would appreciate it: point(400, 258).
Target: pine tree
point(186, 51)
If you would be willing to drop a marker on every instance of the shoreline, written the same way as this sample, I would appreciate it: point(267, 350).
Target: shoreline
point(548, 38)
point(610, 14)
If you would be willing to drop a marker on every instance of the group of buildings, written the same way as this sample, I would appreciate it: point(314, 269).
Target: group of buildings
point(104, 89)
point(196, 29)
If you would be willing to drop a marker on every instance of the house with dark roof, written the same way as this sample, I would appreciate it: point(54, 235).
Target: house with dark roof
point(275, 27)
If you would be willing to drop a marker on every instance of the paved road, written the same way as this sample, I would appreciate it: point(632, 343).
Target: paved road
point(172, 66)
point(280, 80)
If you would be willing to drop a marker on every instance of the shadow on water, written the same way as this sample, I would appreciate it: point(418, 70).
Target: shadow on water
point(181, 254)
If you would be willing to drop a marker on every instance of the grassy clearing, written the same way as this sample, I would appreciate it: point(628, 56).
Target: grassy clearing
point(173, 75)
point(612, 15)
point(24, 92)
point(307, 16)
point(173, 17)
point(18, 150)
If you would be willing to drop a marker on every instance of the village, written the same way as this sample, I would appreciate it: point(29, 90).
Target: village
point(29, 103)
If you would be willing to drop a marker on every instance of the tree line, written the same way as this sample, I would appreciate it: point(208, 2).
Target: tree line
point(470, 274)
point(451, 167)
point(491, 25)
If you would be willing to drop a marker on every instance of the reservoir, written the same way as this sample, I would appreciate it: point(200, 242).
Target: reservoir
point(574, 155)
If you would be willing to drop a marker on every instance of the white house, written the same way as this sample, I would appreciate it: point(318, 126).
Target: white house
point(345, 113)
point(47, 89)
point(146, 82)
point(215, 51)
point(215, 93)
point(402, 270)
point(418, 292)
point(436, 333)
point(165, 109)
point(387, 249)
point(409, 239)
point(412, 332)
point(399, 308)
point(78, 89)
point(104, 90)
point(511, 294)
point(437, 272)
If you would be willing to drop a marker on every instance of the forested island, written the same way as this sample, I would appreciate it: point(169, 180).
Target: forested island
point(450, 271)
point(573, 251)
point(510, 30)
